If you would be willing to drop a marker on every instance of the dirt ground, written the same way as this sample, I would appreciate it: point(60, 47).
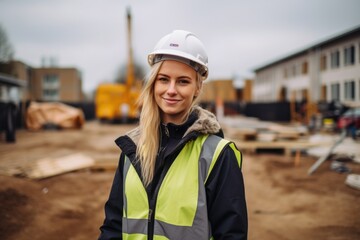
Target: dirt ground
point(283, 201)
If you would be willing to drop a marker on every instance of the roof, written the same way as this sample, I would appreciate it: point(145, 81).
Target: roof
point(11, 81)
point(331, 40)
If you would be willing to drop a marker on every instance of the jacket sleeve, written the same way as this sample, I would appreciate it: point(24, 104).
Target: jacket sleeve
point(226, 198)
point(112, 226)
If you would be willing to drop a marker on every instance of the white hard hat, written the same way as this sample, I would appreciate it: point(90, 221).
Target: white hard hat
point(181, 46)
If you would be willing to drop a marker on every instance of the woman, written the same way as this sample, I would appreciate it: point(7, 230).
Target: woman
point(177, 177)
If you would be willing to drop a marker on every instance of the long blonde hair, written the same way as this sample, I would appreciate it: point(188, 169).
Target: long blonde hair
point(148, 145)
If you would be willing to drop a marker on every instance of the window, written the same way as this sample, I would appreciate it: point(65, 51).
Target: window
point(285, 73)
point(335, 91)
point(304, 68)
point(349, 90)
point(50, 86)
point(51, 94)
point(323, 63)
point(50, 78)
point(293, 70)
point(335, 59)
point(349, 55)
point(50, 81)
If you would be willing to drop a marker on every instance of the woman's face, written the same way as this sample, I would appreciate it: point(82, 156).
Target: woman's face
point(175, 88)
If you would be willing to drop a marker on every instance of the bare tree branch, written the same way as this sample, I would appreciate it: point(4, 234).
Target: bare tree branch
point(6, 49)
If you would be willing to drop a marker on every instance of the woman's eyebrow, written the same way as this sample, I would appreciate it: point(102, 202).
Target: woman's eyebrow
point(162, 74)
point(165, 75)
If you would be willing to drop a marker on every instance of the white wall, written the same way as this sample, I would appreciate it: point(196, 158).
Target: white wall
point(269, 81)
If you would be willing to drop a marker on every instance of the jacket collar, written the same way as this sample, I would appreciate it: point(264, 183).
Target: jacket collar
point(205, 123)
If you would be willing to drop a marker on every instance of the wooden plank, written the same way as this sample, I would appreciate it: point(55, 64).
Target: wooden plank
point(287, 146)
point(47, 167)
point(266, 136)
point(297, 158)
point(277, 144)
point(285, 131)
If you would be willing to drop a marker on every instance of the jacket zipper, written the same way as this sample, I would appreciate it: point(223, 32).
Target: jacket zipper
point(150, 215)
point(167, 131)
point(152, 202)
point(151, 221)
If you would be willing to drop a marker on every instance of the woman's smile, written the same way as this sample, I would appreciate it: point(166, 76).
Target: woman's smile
point(171, 101)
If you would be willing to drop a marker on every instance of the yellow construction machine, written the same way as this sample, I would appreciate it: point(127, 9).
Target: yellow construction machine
point(117, 101)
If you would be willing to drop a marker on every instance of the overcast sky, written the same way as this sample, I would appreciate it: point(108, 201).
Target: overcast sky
point(239, 35)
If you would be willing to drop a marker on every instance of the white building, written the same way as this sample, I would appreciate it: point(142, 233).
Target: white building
point(329, 70)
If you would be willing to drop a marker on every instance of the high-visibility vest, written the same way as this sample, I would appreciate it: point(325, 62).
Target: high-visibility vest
point(181, 208)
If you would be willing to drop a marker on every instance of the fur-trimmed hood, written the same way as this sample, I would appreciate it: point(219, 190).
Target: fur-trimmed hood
point(206, 123)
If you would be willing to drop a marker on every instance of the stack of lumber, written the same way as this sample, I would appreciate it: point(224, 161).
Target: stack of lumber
point(245, 129)
point(251, 134)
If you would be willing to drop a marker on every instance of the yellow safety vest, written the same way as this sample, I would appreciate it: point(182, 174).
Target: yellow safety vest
point(181, 208)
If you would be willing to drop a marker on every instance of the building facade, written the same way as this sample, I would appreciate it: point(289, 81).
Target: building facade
point(45, 83)
point(56, 84)
point(328, 71)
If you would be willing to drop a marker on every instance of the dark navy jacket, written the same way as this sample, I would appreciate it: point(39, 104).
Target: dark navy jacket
point(224, 188)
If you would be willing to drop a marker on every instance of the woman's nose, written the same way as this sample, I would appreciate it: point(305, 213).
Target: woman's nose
point(171, 88)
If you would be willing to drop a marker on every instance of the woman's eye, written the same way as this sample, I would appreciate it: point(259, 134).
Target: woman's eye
point(184, 81)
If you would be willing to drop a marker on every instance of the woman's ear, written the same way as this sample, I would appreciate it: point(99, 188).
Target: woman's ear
point(198, 90)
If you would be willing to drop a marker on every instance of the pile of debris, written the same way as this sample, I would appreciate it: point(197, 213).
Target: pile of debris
point(251, 134)
point(340, 151)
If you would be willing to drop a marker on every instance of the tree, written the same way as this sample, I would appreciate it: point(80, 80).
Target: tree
point(6, 49)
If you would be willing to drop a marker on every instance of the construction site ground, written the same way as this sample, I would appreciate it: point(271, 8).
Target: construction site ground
point(284, 202)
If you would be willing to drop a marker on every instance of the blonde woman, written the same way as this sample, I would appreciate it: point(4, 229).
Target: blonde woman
point(177, 177)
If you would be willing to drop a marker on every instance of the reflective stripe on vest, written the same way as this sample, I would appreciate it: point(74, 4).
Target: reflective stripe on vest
point(181, 208)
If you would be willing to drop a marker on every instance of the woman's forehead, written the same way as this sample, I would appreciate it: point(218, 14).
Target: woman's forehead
point(176, 68)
